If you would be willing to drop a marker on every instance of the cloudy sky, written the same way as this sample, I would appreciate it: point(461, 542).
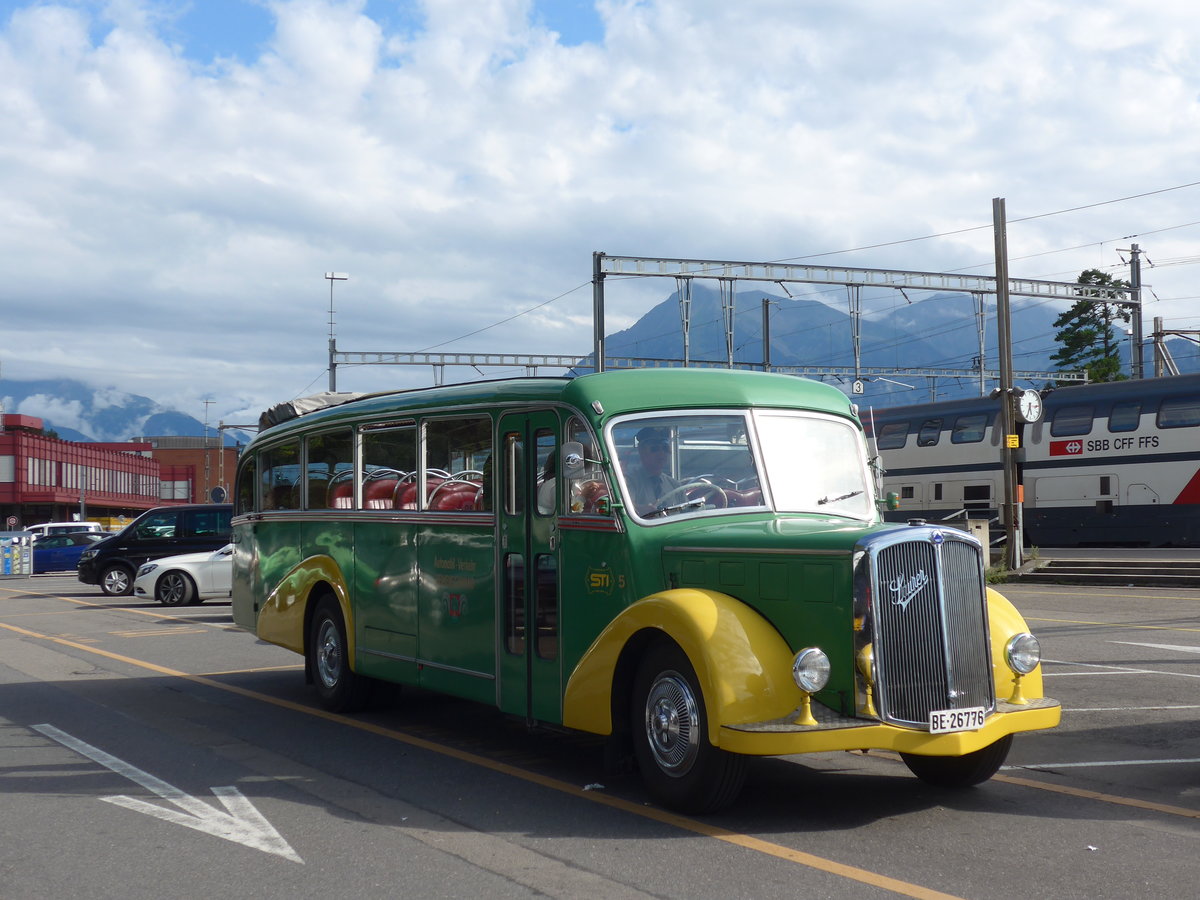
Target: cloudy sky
point(177, 177)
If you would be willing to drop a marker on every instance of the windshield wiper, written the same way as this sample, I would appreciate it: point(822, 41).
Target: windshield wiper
point(825, 500)
point(687, 504)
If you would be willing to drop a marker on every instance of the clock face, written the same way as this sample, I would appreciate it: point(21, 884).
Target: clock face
point(1029, 405)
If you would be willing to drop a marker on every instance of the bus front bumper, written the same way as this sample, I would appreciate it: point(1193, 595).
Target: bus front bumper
point(833, 731)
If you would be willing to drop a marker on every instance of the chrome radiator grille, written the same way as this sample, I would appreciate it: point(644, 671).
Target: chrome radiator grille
point(927, 622)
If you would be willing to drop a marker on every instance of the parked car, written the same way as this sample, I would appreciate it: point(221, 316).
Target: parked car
point(188, 578)
point(61, 552)
point(48, 528)
point(163, 531)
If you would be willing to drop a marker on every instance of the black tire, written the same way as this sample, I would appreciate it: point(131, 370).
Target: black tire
point(960, 771)
point(679, 766)
point(338, 687)
point(116, 580)
point(174, 588)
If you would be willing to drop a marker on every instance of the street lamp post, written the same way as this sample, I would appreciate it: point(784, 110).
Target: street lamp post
point(331, 277)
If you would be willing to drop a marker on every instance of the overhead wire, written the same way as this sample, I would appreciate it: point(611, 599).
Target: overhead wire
point(875, 246)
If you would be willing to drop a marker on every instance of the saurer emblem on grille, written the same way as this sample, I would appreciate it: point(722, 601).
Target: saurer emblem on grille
point(904, 588)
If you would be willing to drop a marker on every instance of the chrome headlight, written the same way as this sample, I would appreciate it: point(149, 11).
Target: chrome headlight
point(1023, 653)
point(810, 669)
point(86, 554)
point(146, 569)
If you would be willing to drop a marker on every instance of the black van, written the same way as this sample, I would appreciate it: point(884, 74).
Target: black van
point(163, 531)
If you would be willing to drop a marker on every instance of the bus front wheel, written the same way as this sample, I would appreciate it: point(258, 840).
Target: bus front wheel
point(679, 766)
point(338, 687)
point(960, 771)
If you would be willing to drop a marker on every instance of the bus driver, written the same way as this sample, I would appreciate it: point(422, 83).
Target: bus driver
point(649, 482)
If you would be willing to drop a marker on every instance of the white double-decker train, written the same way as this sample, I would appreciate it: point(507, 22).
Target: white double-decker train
point(1107, 464)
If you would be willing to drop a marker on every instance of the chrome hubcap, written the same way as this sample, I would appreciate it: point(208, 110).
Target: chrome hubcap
point(329, 654)
point(672, 723)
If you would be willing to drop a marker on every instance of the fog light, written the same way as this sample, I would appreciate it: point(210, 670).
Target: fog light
point(1023, 653)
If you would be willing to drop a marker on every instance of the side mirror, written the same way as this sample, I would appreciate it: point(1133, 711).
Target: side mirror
point(893, 500)
point(572, 457)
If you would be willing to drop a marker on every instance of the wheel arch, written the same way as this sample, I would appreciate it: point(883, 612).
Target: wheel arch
point(1004, 621)
point(286, 616)
point(742, 662)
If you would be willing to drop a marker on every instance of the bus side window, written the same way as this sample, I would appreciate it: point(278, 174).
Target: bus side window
point(280, 474)
point(547, 469)
point(455, 452)
point(588, 487)
point(389, 464)
point(330, 466)
point(247, 481)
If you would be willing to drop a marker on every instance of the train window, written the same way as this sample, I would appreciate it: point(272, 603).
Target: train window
point(969, 429)
point(892, 436)
point(1179, 412)
point(1072, 420)
point(1125, 416)
point(907, 492)
point(931, 430)
point(977, 496)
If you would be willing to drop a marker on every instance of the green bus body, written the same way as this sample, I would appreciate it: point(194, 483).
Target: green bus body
point(536, 580)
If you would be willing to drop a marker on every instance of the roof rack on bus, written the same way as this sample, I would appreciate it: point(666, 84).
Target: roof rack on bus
point(291, 409)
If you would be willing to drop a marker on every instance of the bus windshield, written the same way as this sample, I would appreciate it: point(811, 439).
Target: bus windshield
point(704, 462)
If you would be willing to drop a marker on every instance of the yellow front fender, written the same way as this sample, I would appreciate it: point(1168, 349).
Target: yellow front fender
point(743, 664)
point(282, 618)
point(1005, 622)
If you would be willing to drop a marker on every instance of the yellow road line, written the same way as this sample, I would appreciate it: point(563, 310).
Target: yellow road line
point(745, 841)
point(156, 632)
point(1096, 795)
point(1113, 624)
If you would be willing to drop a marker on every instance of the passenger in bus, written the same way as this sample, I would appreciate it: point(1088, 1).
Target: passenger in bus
point(649, 482)
point(547, 484)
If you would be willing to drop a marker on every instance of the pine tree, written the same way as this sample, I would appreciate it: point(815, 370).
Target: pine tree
point(1085, 331)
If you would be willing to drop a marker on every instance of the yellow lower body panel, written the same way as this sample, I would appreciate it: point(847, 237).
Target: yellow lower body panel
point(780, 737)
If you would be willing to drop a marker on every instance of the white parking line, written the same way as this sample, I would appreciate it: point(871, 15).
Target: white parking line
point(1111, 670)
point(1181, 648)
point(1128, 708)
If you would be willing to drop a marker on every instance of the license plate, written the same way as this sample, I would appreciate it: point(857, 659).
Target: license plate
point(942, 721)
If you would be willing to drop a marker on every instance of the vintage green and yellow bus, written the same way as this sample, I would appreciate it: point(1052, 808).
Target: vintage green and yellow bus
point(689, 562)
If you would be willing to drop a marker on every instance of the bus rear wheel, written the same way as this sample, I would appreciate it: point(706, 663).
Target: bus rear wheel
point(679, 766)
point(960, 771)
point(338, 687)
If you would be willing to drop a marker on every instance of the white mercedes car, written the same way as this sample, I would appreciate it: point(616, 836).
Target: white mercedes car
point(189, 578)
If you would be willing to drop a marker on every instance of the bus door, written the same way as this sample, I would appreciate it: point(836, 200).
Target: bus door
point(527, 500)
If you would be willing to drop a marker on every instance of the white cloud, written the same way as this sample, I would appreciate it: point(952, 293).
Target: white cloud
point(164, 224)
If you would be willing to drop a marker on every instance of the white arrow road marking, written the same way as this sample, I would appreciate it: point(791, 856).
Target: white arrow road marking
point(241, 822)
point(1182, 648)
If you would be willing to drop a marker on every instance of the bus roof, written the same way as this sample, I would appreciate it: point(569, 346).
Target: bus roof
point(617, 393)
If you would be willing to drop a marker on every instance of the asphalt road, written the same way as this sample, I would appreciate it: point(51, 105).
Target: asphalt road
point(152, 752)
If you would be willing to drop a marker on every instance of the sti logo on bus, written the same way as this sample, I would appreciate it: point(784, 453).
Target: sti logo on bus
point(1066, 448)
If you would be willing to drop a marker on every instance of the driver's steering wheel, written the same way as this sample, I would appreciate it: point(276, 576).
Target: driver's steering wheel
point(713, 495)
